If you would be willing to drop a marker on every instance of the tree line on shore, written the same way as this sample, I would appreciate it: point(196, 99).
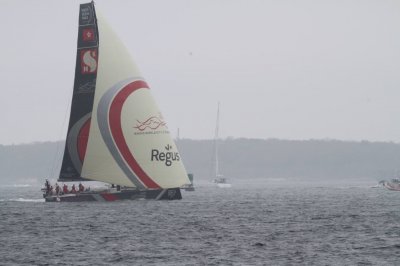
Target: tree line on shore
point(238, 158)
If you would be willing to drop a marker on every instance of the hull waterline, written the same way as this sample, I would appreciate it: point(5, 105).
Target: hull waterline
point(154, 194)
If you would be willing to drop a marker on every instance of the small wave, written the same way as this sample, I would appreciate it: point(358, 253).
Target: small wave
point(24, 200)
point(395, 246)
point(16, 185)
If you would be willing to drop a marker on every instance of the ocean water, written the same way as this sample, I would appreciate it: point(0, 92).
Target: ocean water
point(263, 224)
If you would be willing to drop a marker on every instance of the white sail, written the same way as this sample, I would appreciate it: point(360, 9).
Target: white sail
point(219, 179)
point(129, 142)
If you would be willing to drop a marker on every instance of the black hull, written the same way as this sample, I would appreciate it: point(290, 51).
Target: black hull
point(154, 194)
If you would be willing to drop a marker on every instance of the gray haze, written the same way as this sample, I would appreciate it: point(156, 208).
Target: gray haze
point(281, 69)
point(239, 160)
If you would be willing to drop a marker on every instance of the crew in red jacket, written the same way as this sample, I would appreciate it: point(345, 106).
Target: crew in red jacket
point(65, 189)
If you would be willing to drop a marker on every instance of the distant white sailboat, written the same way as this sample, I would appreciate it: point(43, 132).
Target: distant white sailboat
point(393, 184)
point(219, 179)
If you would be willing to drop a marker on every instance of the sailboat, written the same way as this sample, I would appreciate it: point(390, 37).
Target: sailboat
point(393, 184)
point(116, 133)
point(190, 186)
point(219, 179)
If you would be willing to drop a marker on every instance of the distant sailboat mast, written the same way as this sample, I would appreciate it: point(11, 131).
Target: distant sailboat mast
point(216, 145)
point(219, 179)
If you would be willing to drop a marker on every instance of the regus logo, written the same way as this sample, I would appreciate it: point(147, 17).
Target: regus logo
point(167, 156)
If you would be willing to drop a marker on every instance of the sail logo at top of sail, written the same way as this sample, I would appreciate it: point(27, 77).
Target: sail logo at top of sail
point(89, 61)
point(88, 34)
point(88, 31)
point(86, 15)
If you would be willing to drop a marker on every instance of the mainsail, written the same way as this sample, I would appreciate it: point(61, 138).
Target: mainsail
point(83, 95)
point(120, 136)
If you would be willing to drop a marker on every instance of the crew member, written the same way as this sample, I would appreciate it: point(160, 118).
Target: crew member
point(58, 190)
point(47, 186)
point(65, 189)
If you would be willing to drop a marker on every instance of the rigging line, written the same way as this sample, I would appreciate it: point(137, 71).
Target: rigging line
point(216, 144)
point(60, 144)
point(213, 159)
point(214, 170)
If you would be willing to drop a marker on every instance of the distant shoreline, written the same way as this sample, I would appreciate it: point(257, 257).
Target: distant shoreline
point(239, 158)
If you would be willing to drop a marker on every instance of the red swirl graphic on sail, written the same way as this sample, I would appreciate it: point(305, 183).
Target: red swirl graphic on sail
point(82, 140)
point(117, 133)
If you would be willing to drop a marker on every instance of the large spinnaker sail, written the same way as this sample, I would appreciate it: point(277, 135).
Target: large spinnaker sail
point(129, 142)
point(83, 95)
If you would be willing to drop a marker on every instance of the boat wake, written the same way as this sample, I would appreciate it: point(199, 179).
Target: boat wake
point(22, 200)
point(16, 185)
point(224, 185)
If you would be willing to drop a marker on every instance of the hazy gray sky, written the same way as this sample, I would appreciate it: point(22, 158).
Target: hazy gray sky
point(297, 69)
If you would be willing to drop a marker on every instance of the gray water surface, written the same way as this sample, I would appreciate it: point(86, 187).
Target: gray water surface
point(260, 225)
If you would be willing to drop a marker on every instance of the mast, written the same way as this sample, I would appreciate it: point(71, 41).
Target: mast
point(216, 144)
point(83, 95)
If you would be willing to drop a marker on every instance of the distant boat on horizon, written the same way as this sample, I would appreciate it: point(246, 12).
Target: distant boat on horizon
point(190, 186)
point(393, 184)
point(219, 179)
